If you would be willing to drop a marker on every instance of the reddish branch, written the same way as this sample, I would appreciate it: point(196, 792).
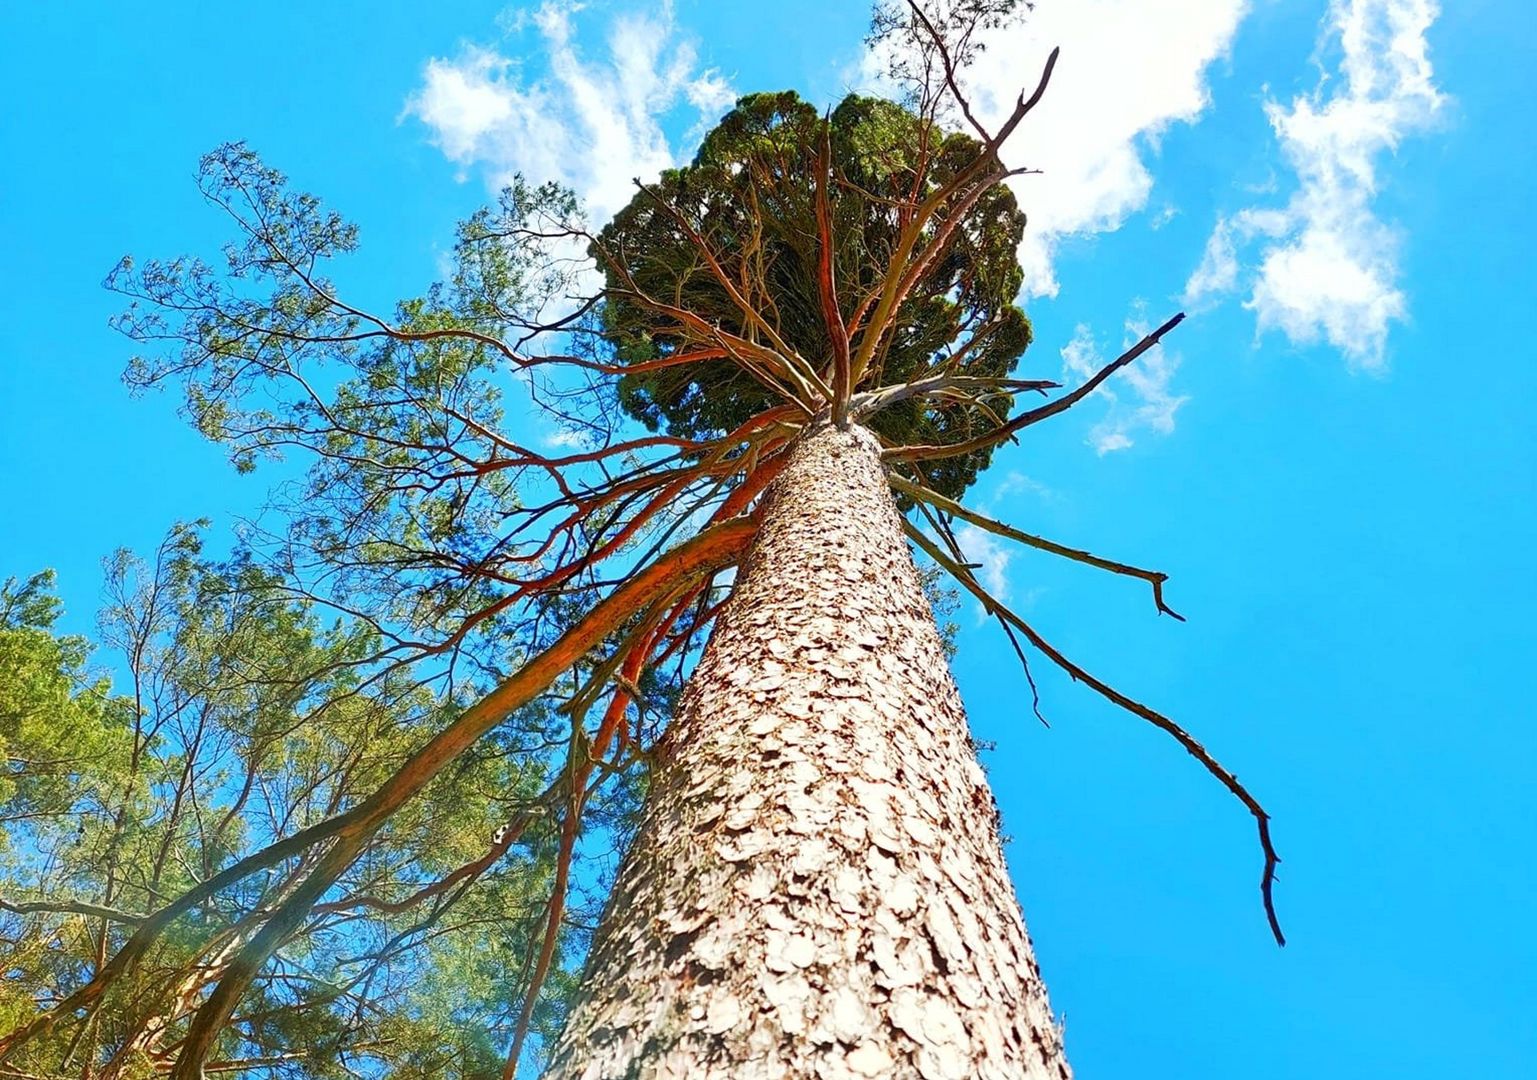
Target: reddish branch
point(827, 285)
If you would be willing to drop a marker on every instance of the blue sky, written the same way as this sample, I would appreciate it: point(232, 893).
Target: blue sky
point(1334, 458)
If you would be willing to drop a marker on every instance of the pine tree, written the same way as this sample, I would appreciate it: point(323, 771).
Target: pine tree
point(816, 322)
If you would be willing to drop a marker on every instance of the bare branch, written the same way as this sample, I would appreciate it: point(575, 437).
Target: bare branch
point(70, 907)
point(1153, 577)
point(1158, 720)
point(1035, 416)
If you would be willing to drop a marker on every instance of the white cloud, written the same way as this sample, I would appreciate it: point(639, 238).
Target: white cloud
point(1218, 269)
point(591, 122)
point(711, 93)
point(1129, 69)
point(569, 439)
point(1151, 406)
point(993, 554)
point(1327, 266)
point(1015, 481)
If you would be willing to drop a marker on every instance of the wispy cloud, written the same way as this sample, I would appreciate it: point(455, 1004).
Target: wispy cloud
point(569, 439)
point(1150, 405)
point(992, 553)
point(591, 122)
point(1129, 70)
point(1324, 266)
point(1014, 482)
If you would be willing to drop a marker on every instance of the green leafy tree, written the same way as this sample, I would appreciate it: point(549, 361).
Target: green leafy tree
point(58, 729)
point(240, 719)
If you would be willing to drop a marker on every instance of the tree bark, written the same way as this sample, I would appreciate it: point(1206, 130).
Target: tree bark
point(818, 888)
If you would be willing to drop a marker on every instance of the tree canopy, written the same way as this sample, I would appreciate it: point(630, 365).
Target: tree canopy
point(767, 185)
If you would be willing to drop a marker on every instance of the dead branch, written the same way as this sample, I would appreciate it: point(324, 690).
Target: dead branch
point(1158, 720)
point(1153, 577)
point(1035, 416)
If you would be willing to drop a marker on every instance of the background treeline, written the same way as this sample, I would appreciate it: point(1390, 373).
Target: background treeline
point(215, 711)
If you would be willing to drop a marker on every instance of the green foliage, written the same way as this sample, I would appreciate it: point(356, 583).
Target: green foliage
point(750, 193)
point(240, 717)
point(58, 730)
point(409, 484)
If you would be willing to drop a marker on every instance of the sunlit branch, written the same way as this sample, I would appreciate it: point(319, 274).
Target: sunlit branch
point(1154, 578)
point(913, 265)
point(70, 907)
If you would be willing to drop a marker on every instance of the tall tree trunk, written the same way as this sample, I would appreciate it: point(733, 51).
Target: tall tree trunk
point(818, 888)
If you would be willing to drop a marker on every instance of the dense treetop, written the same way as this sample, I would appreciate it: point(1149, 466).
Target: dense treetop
point(754, 194)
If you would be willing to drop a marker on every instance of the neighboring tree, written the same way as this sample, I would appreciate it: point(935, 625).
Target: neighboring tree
point(815, 320)
point(240, 720)
point(57, 728)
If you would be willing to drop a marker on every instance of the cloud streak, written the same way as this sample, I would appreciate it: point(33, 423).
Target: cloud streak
point(1128, 72)
point(1324, 267)
point(592, 123)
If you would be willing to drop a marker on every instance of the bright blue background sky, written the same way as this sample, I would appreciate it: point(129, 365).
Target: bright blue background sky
point(1352, 546)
